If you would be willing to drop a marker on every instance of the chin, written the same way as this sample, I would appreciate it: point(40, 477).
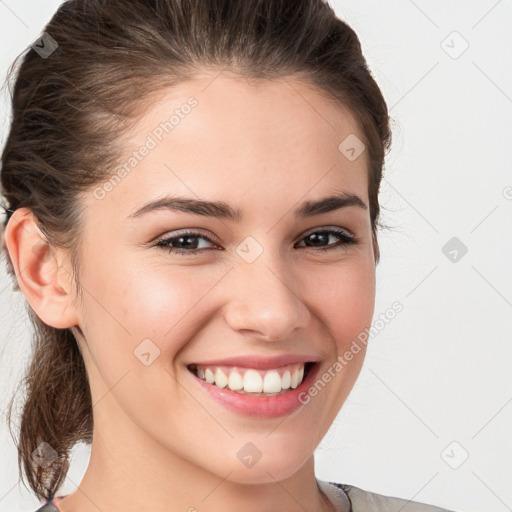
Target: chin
point(267, 471)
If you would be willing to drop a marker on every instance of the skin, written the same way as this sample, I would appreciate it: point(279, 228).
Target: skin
point(160, 443)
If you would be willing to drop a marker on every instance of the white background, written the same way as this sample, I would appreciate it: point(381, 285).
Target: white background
point(440, 372)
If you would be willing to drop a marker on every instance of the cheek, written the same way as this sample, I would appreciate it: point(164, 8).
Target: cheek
point(343, 298)
point(164, 303)
point(131, 312)
point(126, 303)
point(161, 304)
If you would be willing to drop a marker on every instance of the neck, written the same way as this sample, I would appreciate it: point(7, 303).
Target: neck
point(134, 475)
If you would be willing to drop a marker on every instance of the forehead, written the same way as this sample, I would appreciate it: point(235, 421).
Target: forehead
point(222, 137)
point(230, 109)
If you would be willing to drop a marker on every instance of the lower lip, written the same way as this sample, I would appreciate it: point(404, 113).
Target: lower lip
point(260, 406)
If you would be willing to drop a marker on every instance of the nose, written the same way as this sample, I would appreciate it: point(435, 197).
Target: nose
point(264, 302)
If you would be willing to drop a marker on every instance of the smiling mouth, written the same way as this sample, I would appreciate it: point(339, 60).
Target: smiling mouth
point(250, 381)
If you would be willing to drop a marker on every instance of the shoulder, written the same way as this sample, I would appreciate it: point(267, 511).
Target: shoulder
point(366, 501)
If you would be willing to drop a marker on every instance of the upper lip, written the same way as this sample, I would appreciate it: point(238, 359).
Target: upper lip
point(258, 362)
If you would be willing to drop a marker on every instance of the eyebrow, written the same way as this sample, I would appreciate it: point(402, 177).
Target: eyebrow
point(221, 210)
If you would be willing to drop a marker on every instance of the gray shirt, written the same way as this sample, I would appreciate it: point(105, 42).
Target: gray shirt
point(366, 501)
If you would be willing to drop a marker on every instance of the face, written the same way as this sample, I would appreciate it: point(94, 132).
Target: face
point(168, 289)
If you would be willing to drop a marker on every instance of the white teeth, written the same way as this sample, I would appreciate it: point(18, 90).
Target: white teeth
point(208, 375)
point(295, 379)
point(286, 380)
point(253, 381)
point(220, 379)
point(235, 381)
point(272, 382)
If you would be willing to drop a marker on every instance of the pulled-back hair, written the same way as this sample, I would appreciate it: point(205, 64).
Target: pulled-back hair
point(71, 107)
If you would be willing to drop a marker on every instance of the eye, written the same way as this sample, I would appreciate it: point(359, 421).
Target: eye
point(323, 235)
point(188, 242)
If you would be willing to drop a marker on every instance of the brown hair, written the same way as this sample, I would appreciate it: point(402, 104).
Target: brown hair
point(69, 109)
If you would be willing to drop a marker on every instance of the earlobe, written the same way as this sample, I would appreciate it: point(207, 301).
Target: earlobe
point(42, 279)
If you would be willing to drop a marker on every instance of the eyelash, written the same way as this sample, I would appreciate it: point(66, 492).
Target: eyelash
point(343, 235)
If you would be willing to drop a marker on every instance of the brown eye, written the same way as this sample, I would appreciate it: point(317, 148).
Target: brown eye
point(317, 239)
point(185, 243)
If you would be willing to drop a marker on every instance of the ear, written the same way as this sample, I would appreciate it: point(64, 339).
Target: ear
point(42, 277)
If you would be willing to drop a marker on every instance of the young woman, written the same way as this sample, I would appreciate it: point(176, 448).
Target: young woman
point(192, 205)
